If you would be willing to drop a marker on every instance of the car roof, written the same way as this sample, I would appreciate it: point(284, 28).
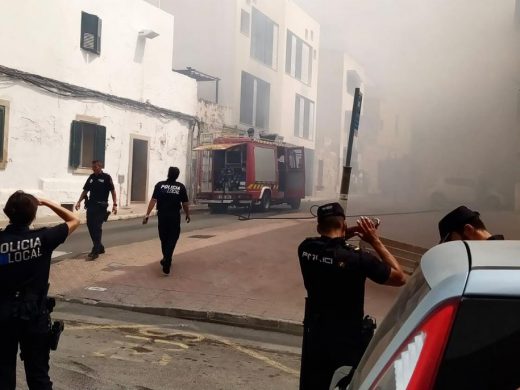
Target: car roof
point(494, 254)
point(455, 257)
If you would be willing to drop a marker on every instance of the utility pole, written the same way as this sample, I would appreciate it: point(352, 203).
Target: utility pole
point(347, 168)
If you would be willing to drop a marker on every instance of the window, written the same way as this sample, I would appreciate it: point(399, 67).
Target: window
point(483, 346)
point(303, 117)
point(264, 39)
point(411, 295)
point(90, 33)
point(87, 143)
point(254, 101)
point(298, 61)
point(3, 134)
point(296, 158)
point(244, 23)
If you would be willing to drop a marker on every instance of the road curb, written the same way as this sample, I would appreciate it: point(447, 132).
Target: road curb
point(240, 320)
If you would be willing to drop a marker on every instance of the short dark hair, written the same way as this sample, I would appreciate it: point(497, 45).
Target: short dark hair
point(475, 221)
point(173, 173)
point(21, 208)
point(97, 162)
point(331, 223)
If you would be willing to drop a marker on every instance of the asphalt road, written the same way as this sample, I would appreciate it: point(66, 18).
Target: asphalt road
point(121, 232)
point(110, 349)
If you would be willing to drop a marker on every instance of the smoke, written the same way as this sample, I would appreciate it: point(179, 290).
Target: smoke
point(450, 71)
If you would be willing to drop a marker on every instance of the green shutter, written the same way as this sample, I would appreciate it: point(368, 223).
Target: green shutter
point(2, 132)
point(99, 143)
point(75, 144)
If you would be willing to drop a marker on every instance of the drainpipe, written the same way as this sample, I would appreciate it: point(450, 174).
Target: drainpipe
point(189, 156)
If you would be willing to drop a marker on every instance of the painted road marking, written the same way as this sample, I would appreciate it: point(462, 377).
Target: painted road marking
point(58, 254)
point(94, 288)
point(157, 335)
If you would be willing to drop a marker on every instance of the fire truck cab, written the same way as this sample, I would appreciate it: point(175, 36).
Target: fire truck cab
point(248, 171)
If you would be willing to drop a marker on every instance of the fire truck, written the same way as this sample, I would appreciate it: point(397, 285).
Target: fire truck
point(249, 171)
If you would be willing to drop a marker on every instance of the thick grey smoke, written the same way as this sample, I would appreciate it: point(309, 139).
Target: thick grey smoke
point(452, 69)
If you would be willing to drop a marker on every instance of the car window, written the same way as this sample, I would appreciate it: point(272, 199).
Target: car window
point(413, 292)
point(484, 346)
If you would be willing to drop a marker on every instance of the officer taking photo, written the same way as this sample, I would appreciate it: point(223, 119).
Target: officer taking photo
point(25, 259)
point(334, 275)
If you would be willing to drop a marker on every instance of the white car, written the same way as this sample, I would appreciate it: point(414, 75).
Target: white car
point(455, 325)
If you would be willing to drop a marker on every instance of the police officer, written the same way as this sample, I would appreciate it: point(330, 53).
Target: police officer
point(464, 224)
point(25, 259)
point(334, 275)
point(98, 184)
point(170, 196)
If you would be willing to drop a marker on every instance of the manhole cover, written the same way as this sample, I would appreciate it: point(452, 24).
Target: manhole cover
point(203, 236)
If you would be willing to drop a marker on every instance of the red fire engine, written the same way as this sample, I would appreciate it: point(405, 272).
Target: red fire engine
point(249, 171)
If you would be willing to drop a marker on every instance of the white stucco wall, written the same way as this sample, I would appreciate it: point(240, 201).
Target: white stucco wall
point(46, 41)
point(39, 135)
point(43, 37)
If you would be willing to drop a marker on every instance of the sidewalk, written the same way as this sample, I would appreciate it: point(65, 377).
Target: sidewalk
point(246, 274)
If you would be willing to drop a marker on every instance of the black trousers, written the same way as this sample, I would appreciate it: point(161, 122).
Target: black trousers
point(95, 218)
point(169, 231)
point(328, 344)
point(33, 338)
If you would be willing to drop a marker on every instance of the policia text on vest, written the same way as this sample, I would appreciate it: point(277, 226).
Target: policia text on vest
point(336, 332)
point(25, 258)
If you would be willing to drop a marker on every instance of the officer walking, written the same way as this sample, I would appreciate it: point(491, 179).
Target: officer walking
point(98, 184)
point(334, 275)
point(25, 259)
point(170, 196)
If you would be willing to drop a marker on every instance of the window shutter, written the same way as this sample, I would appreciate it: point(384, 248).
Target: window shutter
point(75, 144)
point(99, 143)
point(2, 132)
point(90, 33)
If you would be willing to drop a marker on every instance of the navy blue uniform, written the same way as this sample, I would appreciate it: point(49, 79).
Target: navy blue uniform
point(170, 195)
point(334, 275)
point(98, 186)
point(25, 258)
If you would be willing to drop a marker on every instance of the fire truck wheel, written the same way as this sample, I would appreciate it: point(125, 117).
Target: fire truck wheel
point(295, 203)
point(265, 204)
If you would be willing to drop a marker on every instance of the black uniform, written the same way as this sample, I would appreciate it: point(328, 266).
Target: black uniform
point(25, 258)
point(170, 196)
point(334, 275)
point(98, 186)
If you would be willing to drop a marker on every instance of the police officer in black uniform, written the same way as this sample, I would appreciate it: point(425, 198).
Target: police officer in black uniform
point(25, 259)
point(463, 223)
point(334, 275)
point(99, 184)
point(170, 196)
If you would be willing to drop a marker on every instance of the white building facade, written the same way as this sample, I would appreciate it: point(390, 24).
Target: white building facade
point(92, 81)
point(339, 76)
point(265, 53)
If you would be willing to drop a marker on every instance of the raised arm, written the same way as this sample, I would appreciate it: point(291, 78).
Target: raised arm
point(368, 233)
point(68, 216)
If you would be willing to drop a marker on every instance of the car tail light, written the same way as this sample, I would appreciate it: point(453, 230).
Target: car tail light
point(414, 366)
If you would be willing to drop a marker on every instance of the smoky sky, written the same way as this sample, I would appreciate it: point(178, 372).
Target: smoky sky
point(451, 67)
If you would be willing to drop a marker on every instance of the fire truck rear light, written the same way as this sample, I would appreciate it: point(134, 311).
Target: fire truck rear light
point(414, 366)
